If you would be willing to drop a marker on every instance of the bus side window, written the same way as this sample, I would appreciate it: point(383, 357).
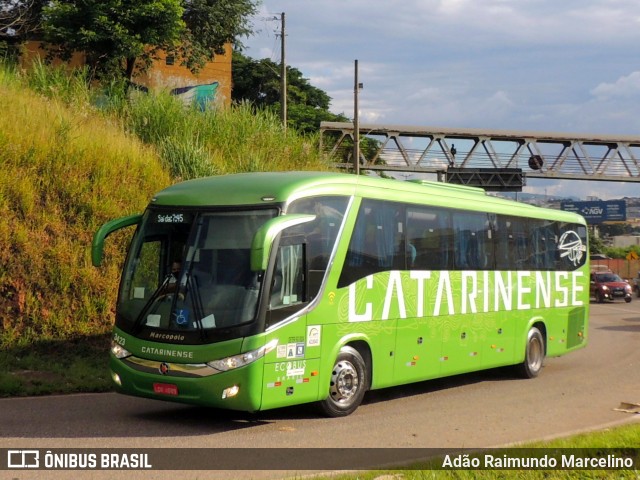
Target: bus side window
point(514, 249)
point(504, 248)
point(542, 245)
point(473, 244)
point(321, 234)
point(287, 290)
point(579, 255)
point(377, 241)
point(522, 244)
point(287, 286)
point(431, 236)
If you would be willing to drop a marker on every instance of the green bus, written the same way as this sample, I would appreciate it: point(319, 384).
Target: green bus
point(262, 290)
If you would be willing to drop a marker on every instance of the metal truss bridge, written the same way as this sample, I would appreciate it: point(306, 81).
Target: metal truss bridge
point(438, 150)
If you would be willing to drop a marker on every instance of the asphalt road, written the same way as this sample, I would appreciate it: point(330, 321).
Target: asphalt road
point(574, 393)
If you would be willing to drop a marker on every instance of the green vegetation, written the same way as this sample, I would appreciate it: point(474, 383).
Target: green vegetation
point(120, 38)
point(67, 167)
point(192, 143)
point(620, 252)
point(611, 230)
point(258, 82)
point(62, 366)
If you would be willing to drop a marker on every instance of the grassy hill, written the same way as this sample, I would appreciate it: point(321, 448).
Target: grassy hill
point(67, 167)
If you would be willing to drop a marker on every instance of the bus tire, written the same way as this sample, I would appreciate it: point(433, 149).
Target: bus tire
point(533, 355)
point(348, 384)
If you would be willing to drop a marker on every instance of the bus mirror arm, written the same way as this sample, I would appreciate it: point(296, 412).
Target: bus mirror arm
point(266, 234)
point(97, 246)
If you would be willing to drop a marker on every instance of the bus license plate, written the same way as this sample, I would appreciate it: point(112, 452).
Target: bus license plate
point(165, 388)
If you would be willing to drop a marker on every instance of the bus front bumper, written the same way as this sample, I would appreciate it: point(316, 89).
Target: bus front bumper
point(238, 389)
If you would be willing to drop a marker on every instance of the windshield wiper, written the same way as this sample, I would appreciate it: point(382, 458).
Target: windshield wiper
point(147, 306)
point(196, 299)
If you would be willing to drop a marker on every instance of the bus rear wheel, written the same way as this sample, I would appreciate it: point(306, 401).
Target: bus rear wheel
point(533, 355)
point(348, 384)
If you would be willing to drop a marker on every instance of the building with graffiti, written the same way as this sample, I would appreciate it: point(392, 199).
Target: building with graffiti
point(211, 85)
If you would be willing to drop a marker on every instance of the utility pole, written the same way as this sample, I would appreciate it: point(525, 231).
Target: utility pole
point(356, 124)
point(283, 76)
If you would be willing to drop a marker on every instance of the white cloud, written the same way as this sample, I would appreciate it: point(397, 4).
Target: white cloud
point(623, 87)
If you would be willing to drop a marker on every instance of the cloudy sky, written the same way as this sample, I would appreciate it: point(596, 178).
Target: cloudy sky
point(547, 65)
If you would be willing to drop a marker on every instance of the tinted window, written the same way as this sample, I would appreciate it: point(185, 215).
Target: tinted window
point(393, 236)
point(431, 235)
point(473, 244)
point(377, 243)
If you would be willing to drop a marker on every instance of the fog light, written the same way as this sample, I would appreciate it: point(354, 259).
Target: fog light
point(230, 392)
point(116, 379)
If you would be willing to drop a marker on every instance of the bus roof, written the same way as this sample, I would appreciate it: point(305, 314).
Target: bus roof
point(258, 188)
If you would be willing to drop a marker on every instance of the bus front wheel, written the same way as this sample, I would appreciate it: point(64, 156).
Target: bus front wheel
point(533, 355)
point(348, 384)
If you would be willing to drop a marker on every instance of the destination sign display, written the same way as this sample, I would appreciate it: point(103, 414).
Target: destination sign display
point(598, 211)
point(172, 217)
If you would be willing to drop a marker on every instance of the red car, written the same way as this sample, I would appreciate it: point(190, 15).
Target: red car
point(609, 286)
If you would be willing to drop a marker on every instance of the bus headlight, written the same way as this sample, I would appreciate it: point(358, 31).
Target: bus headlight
point(116, 379)
point(237, 361)
point(119, 351)
point(230, 392)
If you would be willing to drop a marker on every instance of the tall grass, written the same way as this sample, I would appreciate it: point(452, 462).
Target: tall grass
point(73, 155)
point(65, 170)
point(194, 143)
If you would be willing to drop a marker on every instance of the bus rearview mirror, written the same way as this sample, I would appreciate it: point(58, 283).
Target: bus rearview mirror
point(97, 246)
point(266, 234)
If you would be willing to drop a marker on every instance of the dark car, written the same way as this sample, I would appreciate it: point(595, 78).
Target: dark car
point(609, 286)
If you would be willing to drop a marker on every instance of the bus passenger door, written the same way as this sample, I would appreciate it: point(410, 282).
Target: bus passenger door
point(290, 374)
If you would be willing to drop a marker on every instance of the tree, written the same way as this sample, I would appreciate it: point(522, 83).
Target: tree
point(258, 82)
point(120, 37)
point(255, 81)
point(596, 245)
point(20, 18)
point(114, 35)
point(211, 24)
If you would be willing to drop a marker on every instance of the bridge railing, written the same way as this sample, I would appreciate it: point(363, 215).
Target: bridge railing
point(435, 149)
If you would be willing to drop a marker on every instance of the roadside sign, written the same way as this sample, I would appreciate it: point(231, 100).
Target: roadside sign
point(632, 255)
point(598, 211)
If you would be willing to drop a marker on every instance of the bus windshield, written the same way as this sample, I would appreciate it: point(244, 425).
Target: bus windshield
point(189, 271)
